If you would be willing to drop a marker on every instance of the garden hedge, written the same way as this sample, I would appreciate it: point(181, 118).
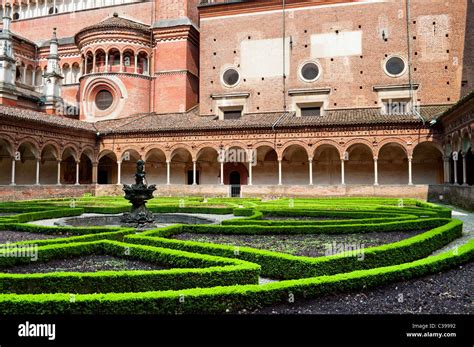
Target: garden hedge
point(212, 278)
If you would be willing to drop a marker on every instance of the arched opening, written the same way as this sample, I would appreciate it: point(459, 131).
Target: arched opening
point(129, 165)
point(155, 166)
point(234, 178)
point(20, 70)
point(68, 166)
point(392, 164)
point(359, 169)
point(208, 167)
point(29, 75)
point(326, 165)
point(25, 168)
point(38, 76)
point(107, 168)
point(114, 60)
point(76, 72)
point(142, 63)
point(427, 164)
point(459, 168)
point(469, 158)
point(295, 166)
point(229, 168)
point(100, 60)
point(128, 61)
point(266, 170)
point(181, 170)
point(66, 73)
point(5, 162)
point(90, 62)
point(49, 165)
point(85, 168)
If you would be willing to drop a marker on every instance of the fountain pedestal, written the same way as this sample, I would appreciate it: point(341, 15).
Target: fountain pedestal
point(138, 194)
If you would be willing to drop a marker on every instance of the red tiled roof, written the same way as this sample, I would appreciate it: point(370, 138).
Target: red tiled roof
point(146, 123)
point(116, 22)
point(21, 114)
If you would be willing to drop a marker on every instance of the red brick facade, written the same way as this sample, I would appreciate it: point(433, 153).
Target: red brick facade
point(148, 80)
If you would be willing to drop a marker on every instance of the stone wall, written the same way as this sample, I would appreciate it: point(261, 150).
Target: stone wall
point(396, 191)
point(462, 196)
point(8, 193)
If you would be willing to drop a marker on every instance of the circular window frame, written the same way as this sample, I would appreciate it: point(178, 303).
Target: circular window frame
point(98, 113)
point(384, 66)
point(300, 71)
point(112, 101)
point(238, 80)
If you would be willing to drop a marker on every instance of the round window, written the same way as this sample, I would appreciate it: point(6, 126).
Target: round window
point(310, 72)
point(231, 77)
point(395, 66)
point(104, 99)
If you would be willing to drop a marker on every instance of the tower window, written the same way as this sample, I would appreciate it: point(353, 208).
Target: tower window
point(395, 66)
point(313, 111)
point(104, 100)
point(309, 72)
point(234, 114)
point(231, 77)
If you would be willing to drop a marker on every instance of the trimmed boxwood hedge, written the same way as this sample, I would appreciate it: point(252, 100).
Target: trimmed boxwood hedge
point(212, 278)
point(228, 299)
point(279, 265)
point(188, 270)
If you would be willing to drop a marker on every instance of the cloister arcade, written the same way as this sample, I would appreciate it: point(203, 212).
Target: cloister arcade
point(294, 163)
point(125, 60)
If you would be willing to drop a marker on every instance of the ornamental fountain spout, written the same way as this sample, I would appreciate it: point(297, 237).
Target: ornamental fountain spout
point(138, 194)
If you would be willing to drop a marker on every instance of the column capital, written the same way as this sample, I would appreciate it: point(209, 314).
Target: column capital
point(310, 158)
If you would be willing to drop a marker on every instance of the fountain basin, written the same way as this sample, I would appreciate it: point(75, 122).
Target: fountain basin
point(160, 219)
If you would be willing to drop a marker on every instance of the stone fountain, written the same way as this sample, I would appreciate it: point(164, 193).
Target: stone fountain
point(138, 194)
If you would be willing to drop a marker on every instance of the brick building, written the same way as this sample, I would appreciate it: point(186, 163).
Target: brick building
point(295, 97)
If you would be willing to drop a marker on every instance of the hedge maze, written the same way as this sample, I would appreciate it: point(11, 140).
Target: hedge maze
point(204, 277)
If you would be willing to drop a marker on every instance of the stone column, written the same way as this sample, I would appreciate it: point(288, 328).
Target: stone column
point(222, 172)
point(33, 78)
point(58, 179)
point(455, 171)
point(410, 171)
point(95, 172)
point(77, 172)
point(194, 173)
point(93, 63)
point(343, 181)
point(310, 162)
point(250, 182)
point(279, 172)
point(13, 172)
point(121, 62)
point(168, 172)
point(376, 172)
point(119, 172)
point(464, 170)
point(107, 62)
point(37, 171)
point(136, 63)
point(446, 169)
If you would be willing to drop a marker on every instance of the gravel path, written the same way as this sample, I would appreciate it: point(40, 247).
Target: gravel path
point(450, 292)
point(90, 263)
point(468, 228)
point(16, 236)
point(312, 245)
